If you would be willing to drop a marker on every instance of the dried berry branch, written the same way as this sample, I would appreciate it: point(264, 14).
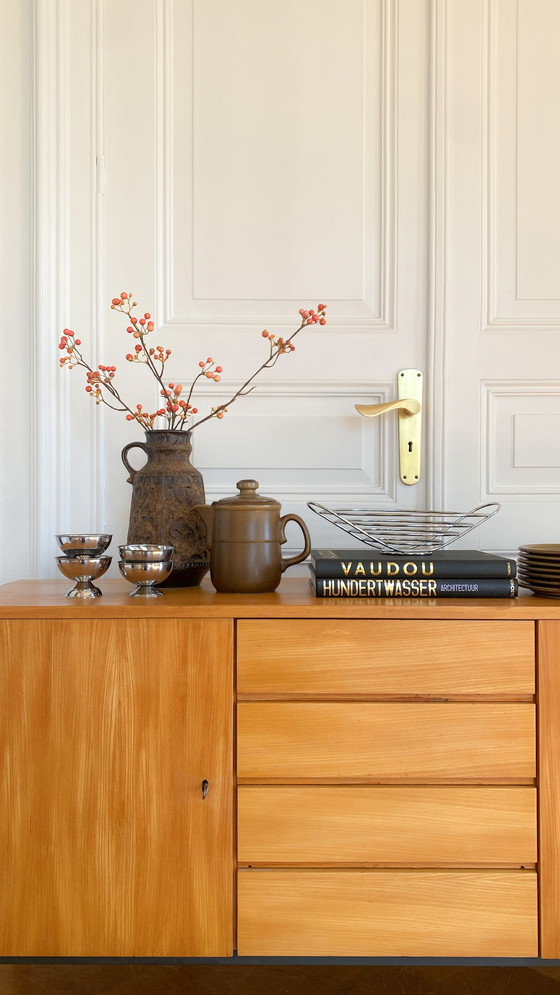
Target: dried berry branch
point(177, 411)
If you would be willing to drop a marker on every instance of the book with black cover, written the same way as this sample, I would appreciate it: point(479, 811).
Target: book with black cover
point(368, 563)
point(413, 587)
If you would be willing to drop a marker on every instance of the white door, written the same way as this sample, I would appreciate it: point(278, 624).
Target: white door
point(499, 280)
point(251, 158)
point(231, 162)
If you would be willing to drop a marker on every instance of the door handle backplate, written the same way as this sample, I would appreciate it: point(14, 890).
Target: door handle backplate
point(409, 407)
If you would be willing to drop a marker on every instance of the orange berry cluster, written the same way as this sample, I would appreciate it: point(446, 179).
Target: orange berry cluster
point(312, 317)
point(142, 416)
point(219, 412)
point(176, 404)
point(97, 379)
point(210, 371)
point(281, 344)
point(68, 341)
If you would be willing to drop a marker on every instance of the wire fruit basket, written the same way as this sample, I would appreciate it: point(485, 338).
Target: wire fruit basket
point(405, 532)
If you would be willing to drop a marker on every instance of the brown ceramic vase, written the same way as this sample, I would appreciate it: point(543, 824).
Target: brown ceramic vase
point(164, 493)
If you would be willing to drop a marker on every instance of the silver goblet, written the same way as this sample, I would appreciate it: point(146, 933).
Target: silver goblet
point(83, 570)
point(145, 552)
point(84, 544)
point(145, 574)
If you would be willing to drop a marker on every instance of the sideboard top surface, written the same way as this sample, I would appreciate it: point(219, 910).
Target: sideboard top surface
point(293, 599)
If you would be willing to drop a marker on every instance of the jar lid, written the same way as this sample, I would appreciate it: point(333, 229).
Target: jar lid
point(248, 496)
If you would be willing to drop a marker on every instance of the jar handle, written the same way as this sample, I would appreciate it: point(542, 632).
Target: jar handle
point(126, 450)
point(307, 548)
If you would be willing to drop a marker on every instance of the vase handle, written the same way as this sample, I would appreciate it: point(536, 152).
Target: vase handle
point(307, 547)
point(124, 454)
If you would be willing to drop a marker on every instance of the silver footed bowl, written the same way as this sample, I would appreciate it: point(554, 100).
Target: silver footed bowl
point(93, 544)
point(84, 570)
point(145, 575)
point(145, 552)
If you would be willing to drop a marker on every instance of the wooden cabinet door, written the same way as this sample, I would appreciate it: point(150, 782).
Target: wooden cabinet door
point(108, 730)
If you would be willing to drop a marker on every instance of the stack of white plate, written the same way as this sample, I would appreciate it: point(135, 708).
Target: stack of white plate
point(538, 568)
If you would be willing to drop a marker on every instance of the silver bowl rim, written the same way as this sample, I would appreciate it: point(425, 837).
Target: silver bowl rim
point(146, 547)
point(146, 564)
point(80, 559)
point(77, 536)
point(146, 552)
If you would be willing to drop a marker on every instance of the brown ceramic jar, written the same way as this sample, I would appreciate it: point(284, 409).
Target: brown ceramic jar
point(244, 534)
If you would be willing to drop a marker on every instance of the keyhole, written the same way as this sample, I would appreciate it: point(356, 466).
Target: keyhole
point(410, 447)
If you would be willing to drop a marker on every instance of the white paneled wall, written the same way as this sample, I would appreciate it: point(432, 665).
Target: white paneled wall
point(232, 160)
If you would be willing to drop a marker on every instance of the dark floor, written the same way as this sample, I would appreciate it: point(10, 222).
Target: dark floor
point(169, 979)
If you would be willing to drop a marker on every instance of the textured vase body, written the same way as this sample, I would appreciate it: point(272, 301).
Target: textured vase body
point(164, 492)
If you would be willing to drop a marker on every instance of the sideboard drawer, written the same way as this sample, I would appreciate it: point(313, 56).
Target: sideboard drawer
point(378, 824)
point(387, 913)
point(381, 740)
point(386, 657)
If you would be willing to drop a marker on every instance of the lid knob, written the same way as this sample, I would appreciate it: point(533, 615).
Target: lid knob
point(246, 486)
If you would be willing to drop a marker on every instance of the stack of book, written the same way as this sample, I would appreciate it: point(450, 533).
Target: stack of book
point(457, 573)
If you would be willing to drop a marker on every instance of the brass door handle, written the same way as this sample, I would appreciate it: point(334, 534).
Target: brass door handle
point(408, 406)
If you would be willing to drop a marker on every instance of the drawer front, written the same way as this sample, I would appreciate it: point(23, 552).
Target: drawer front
point(414, 825)
point(385, 657)
point(378, 740)
point(387, 913)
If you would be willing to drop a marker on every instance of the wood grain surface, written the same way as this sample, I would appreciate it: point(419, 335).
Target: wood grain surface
point(114, 712)
point(386, 913)
point(359, 825)
point(385, 657)
point(293, 599)
point(385, 740)
point(107, 731)
point(549, 793)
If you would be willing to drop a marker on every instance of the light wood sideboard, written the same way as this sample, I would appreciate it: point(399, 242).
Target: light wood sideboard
point(278, 775)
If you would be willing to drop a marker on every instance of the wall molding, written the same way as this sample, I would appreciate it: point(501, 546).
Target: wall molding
point(366, 317)
point(50, 278)
point(492, 392)
point(382, 465)
point(98, 295)
point(434, 460)
point(492, 276)
point(53, 441)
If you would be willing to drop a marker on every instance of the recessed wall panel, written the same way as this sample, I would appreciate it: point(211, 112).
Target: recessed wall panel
point(538, 151)
point(278, 191)
point(520, 433)
point(277, 159)
point(522, 224)
point(536, 440)
point(299, 441)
